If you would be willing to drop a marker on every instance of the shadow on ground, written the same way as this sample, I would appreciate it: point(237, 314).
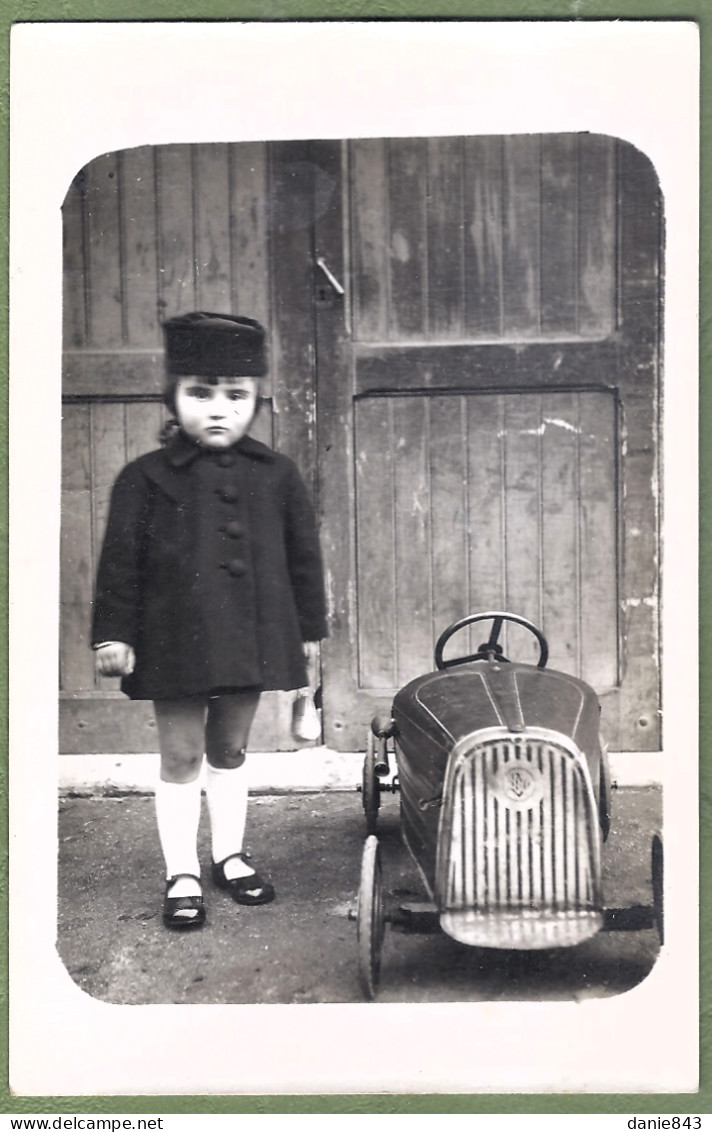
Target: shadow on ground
point(302, 948)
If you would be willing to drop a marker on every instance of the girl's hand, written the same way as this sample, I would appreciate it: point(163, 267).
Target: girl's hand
point(115, 659)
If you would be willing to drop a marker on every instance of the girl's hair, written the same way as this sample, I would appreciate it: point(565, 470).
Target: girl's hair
point(169, 431)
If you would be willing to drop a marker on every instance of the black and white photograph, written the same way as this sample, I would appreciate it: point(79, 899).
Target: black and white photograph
point(371, 543)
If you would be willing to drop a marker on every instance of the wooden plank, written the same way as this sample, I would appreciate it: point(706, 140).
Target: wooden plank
point(116, 373)
point(407, 238)
point(561, 568)
point(640, 255)
point(413, 559)
point(272, 726)
point(74, 312)
point(346, 707)
point(76, 550)
point(411, 369)
point(106, 724)
point(640, 260)
point(262, 428)
point(640, 483)
point(249, 235)
point(76, 562)
point(445, 251)
point(559, 234)
point(297, 174)
point(212, 227)
point(639, 699)
point(176, 253)
point(598, 537)
point(483, 236)
point(521, 264)
point(376, 564)
point(640, 584)
point(108, 455)
point(291, 273)
point(487, 366)
point(143, 428)
point(112, 724)
point(597, 235)
point(486, 502)
point(370, 240)
point(140, 247)
point(76, 461)
point(522, 486)
point(76, 667)
point(641, 215)
point(294, 184)
point(449, 514)
point(104, 282)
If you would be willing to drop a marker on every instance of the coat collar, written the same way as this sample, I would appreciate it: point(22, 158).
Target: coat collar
point(181, 451)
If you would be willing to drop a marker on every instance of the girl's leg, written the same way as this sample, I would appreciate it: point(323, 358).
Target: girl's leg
point(181, 726)
point(230, 718)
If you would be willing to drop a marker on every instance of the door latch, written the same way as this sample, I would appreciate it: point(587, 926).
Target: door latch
point(324, 294)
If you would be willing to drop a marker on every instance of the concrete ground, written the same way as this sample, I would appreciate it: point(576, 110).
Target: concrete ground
point(302, 948)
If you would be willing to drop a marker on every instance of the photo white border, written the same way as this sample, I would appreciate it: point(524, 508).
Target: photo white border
point(81, 89)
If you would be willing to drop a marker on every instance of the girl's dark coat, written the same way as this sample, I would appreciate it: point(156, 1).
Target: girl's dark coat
point(211, 570)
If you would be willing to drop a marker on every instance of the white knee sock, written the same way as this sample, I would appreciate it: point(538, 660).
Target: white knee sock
point(178, 816)
point(226, 790)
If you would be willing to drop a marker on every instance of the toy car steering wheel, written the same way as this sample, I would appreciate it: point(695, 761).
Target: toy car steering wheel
point(491, 649)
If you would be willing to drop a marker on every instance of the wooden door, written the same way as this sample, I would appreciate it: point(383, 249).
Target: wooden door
point(150, 233)
point(488, 412)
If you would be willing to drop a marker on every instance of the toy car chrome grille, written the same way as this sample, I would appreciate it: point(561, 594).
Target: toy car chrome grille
point(518, 858)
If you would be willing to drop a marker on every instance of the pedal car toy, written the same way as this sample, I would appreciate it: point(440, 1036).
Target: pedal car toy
point(505, 800)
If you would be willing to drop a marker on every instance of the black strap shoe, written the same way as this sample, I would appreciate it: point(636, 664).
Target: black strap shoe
point(251, 889)
point(183, 912)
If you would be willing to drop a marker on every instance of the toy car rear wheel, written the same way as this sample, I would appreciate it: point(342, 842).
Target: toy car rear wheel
point(370, 919)
point(370, 789)
point(656, 866)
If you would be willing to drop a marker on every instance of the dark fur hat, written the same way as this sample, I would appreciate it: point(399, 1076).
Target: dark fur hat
point(202, 344)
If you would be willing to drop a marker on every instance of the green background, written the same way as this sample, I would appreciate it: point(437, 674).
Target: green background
point(18, 11)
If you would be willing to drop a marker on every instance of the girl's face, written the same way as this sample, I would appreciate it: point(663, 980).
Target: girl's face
point(216, 416)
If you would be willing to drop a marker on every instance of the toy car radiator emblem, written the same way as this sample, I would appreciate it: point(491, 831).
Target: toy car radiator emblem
point(518, 784)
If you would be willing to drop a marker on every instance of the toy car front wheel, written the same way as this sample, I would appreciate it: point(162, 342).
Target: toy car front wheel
point(370, 789)
point(370, 919)
point(656, 861)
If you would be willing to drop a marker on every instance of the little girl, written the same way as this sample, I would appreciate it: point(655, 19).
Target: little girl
point(209, 583)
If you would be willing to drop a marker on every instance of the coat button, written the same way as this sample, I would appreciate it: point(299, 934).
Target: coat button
point(236, 567)
point(234, 529)
point(226, 459)
point(228, 493)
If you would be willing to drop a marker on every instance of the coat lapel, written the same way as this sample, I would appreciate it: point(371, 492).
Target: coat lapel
point(167, 467)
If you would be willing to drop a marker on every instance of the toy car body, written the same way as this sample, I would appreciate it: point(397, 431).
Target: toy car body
point(504, 802)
